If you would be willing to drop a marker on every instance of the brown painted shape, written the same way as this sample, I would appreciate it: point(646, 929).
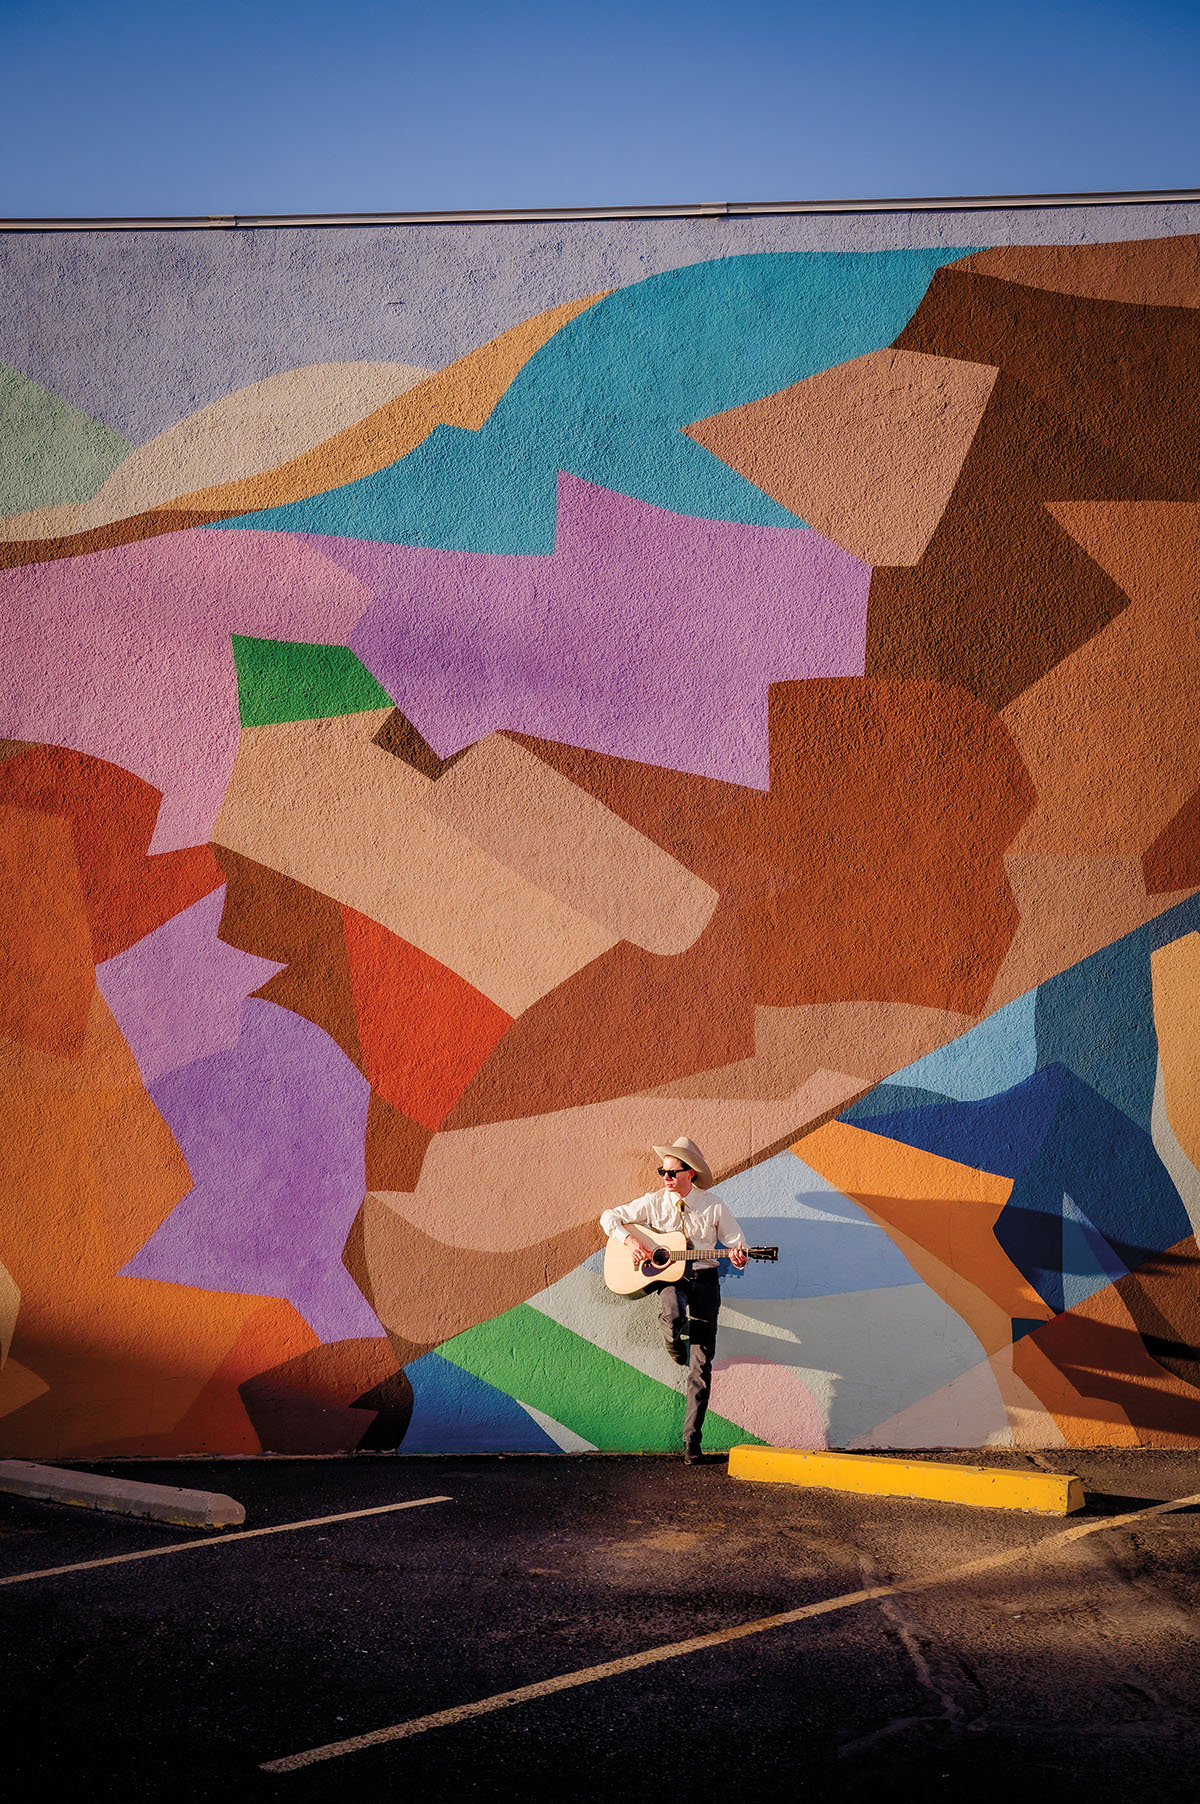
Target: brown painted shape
point(629, 1020)
point(1070, 907)
point(424, 1291)
point(868, 1040)
point(309, 1404)
point(152, 525)
point(1156, 272)
point(395, 1147)
point(398, 736)
point(1109, 734)
point(127, 891)
point(277, 918)
point(47, 971)
point(1100, 1355)
point(678, 811)
point(1163, 1298)
point(889, 809)
point(867, 453)
point(1172, 861)
point(1094, 400)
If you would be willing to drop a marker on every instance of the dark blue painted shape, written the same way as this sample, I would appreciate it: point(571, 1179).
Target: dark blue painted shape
point(886, 1099)
point(1055, 1137)
point(1097, 1018)
point(455, 1412)
point(1026, 1324)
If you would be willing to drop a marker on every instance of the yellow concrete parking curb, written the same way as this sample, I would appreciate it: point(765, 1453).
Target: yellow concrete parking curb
point(125, 1496)
point(987, 1487)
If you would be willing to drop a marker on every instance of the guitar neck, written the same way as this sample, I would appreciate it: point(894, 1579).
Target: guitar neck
point(695, 1255)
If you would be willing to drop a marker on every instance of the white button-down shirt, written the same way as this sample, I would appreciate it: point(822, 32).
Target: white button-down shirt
point(703, 1217)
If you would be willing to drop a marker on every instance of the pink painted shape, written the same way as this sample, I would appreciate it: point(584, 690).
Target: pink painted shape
point(770, 1401)
point(177, 995)
point(126, 653)
point(645, 634)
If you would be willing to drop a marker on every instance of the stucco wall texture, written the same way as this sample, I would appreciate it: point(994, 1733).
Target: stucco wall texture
point(478, 700)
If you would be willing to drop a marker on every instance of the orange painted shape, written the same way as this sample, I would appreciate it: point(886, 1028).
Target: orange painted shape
point(425, 1030)
point(940, 1208)
point(47, 974)
point(1175, 976)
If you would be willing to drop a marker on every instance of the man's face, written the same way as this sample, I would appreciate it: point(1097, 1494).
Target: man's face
point(677, 1178)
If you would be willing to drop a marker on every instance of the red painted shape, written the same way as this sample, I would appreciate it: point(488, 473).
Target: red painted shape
point(425, 1030)
point(127, 892)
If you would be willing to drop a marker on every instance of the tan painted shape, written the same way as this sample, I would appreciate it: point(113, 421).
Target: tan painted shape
point(318, 801)
point(1153, 272)
point(1175, 976)
point(507, 1184)
point(247, 433)
point(1108, 735)
point(463, 394)
point(523, 814)
point(10, 1303)
point(868, 453)
point(1070, 907)
point(19, 1386)
point(870, 1039)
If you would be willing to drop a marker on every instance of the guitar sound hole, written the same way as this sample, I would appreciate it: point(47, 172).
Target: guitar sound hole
point(661, 1257)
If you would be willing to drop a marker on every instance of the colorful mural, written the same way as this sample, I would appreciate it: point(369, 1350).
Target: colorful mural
point(753, 699)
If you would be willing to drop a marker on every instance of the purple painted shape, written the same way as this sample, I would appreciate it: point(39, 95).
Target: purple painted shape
point(646, 634)
point(273, 1132)
point(177, 995)
point(126, 653)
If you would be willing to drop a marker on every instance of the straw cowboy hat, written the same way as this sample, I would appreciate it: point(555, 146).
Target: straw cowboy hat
point(688, 1153)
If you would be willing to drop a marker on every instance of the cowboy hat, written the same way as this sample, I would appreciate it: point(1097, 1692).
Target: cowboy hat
point(688, 1153)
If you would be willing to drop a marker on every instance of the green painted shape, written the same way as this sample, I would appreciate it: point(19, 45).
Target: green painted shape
point(50, 452)
point(609, 1403)
point(279, 680)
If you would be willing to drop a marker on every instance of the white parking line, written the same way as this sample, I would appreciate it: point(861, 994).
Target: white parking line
point(611, 1669)
point(241, 1534)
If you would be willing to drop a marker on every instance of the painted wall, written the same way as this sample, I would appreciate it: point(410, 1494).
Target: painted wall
point(478, 700)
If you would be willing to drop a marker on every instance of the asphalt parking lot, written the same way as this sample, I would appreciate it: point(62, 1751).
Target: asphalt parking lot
point(1037, 1656)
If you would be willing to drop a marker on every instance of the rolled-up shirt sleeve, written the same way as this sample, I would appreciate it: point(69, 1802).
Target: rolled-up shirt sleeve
point(613, 1220)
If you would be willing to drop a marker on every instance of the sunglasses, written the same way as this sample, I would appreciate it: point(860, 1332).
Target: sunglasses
point(667, 1171)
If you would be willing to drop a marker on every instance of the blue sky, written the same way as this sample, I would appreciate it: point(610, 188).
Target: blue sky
point(155, 107)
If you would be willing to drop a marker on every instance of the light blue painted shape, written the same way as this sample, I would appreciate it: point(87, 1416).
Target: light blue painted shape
point(607, 397)
point(991, 1057)
point(818, 1257)
point(455, 1412)
point(1089, 1263)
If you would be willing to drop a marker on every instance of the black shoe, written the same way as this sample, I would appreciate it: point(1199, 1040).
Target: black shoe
point(692, 1456)
point(677, 1353)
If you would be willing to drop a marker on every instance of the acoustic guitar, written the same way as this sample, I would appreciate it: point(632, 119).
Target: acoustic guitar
point(667, 1265)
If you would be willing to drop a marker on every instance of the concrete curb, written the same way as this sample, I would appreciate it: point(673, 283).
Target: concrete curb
point(125, 1496)
point(1049, 1493)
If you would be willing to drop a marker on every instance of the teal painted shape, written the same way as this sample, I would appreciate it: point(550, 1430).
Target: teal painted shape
point(1089, 1263)
point(607, 397)
point(1097, 1019)
point(994, 1056)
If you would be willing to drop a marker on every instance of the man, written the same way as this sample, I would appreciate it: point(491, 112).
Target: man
point(690, 1307)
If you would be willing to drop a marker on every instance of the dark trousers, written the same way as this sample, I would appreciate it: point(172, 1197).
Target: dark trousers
point(691, 1309)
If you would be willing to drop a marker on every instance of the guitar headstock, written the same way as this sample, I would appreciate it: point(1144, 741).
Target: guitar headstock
point(770, 1254)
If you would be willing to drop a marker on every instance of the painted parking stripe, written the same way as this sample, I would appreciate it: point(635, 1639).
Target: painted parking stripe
point(241, 1534)
point(675, 1650)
